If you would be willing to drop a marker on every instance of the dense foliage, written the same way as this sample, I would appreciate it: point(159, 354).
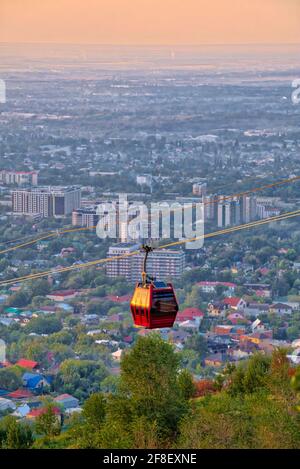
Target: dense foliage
point(251, 405)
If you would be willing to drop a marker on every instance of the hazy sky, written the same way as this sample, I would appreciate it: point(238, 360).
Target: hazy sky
point(150, 21)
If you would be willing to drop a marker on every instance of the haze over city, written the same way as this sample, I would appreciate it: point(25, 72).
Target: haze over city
point(141, 22)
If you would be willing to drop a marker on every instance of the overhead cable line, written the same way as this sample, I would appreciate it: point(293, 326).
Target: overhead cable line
point(206, 202)
point(85, 265)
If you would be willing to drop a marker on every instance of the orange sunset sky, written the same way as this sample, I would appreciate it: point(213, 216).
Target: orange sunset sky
point(150, 21)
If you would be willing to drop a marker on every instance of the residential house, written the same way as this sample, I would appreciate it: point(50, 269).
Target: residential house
point(269, 345)
point(67, 401)
point(260, 289)
point(48, 309)
point(281, 309)
point(94, 332)
point(34, 413)
point(222, 329)
point(243, 350)
point(20, 394)
point(219, 343)
point(66, 307)
point(109, 343)
point(216, 309)
point(257, 326)
point(29, 364)
point(117, 355)
point(237, 331)
point(90, 319)
point(190, 314)
point(238, 354)
point(189, 324)
point(255, 309)
point(21, 411)
point(210, 287)
point(238, 304)
point(12, 312)
point(35, 382)
point(215, 360)
point(266, 334)
point(63, 295)
point(6, 404)
point(236, 318)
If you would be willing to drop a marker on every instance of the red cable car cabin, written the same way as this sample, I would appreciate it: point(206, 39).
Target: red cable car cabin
point(154, 305)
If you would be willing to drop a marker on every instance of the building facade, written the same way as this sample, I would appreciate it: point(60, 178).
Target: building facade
point(162, 264)
point(19, 178)
point(199, 188)
point(46, 202)
point(85, 217)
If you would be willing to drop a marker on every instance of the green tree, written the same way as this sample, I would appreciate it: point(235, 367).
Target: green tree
point(48, 423)
point(94, 410)
point(40, 288)
point(149, 379)
point(44, 325)
point(186, 384)
point(197, 343)
point(15, 435)
point(9, 379)
point(80, 377)
point(247, 377)
point(19, 299)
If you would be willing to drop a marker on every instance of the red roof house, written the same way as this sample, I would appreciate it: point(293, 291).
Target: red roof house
point(20, 394)
point(235, 303)
point(34, 413)
point(189, 314)
point(61, 295)
point(27, 363)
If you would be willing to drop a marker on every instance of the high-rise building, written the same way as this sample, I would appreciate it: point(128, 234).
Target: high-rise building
point(46, 201)
point(199, 188)
point(86, 216)
point(144, 180)
point(224, 214)
point(248, 208)
point(163, 264)
point(121, 267)
point(19, 178)
point(266, 211)
point(211, 207)
point(229, 212)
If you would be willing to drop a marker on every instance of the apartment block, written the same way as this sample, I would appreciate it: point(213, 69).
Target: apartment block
point(162, 264)
point(46, 202)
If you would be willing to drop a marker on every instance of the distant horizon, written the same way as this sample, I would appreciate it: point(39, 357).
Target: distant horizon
point(102, 44)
